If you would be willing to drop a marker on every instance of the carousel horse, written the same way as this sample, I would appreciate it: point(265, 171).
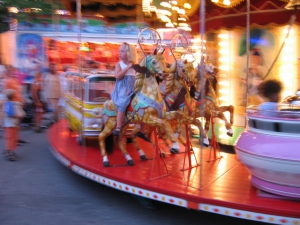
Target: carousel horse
point(147, 106)
point(207, 105)
point(211, 74)
point(177, 96)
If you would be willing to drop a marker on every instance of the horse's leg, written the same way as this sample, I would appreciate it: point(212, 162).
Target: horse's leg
point(123, 147)
point(207, 116)
point(230, 109)
point(177, 116)
point(164, 126)
point(108, 128)
point(227, 124)
point(203, 134)
point(136, 144)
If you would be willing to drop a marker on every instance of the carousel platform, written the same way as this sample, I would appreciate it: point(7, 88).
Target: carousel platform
point(204, 180)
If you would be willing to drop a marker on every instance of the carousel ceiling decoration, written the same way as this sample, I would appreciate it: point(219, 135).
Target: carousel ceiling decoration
point(173, 13)
point(110, 10)
point(292, 4)
point(226, 3)
point(262, 13)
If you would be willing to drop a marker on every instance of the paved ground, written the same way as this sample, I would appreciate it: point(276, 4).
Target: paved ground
point(38, 190)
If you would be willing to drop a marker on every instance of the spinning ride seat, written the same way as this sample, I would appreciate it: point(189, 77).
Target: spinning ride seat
point(269, 148)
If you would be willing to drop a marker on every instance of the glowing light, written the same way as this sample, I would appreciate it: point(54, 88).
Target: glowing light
point(226, 68)
point(165, 12)
point(223, 91)
point(165, 19)
point(225, 83)
point(165, 4)
point(224, 60)
point(224, 44)
point(13, 10)
point(187, 5)
point(181, 11)
point(223, 36)
point(226, 2)
point(169, 25)
point(223, 98)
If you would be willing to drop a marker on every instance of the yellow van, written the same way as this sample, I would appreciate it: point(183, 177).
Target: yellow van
point(85, 95)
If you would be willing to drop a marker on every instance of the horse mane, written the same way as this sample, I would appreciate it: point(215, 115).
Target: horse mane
point(170, 78)
point(139, 78)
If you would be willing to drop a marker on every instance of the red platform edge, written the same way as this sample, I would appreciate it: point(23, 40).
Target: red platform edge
point(224, 187)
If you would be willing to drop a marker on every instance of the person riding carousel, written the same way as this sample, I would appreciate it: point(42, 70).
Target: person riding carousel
point(124, 87)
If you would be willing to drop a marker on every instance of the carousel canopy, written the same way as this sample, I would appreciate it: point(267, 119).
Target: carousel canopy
point(261, 13)
point(219, 14)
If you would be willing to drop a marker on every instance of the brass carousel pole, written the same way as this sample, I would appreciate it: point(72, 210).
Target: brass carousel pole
point(79, 19)
point(202, 33)
point(247, 50)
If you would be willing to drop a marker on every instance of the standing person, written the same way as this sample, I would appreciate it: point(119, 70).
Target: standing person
point(39, 105)
point(124, 88)
point(2, 95)
point(53, 90)
point(10, 124)
point(12, 82)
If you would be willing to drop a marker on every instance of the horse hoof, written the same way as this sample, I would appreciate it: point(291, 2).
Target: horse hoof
point(106, 164)
point(229, 134)
point(174, 150)
point(143, 157)
point(205, 142)
point(162, 155)
point(130, 162)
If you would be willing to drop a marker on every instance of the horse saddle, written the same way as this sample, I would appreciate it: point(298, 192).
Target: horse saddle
point(174, 103)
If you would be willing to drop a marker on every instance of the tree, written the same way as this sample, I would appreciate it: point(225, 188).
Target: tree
point(28, 6)
point(4, 18)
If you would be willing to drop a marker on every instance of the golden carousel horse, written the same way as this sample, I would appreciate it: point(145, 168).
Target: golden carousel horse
point(206, 100)
point(177, 96)
point(147, 106)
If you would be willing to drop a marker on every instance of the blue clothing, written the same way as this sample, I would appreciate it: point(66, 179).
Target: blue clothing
point(124, 89)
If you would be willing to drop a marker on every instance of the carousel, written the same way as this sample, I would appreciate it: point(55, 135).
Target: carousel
point(260, 182)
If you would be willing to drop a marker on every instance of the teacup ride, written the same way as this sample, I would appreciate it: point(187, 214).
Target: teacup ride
point(269, 147)
point(147, 106)
point(206, 101)
point(176, 90)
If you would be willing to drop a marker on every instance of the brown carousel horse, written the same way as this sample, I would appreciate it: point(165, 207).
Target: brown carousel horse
point(177, 96)
point(147, 106)
point(207, 104)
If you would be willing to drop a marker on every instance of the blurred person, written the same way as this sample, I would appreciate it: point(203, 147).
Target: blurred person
point(53, 90)
point(2, 95)
point(39, 104)
point(268, 95)
point(257, 71)
point(12, 82)
point(10, 124)
point(64, 89)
